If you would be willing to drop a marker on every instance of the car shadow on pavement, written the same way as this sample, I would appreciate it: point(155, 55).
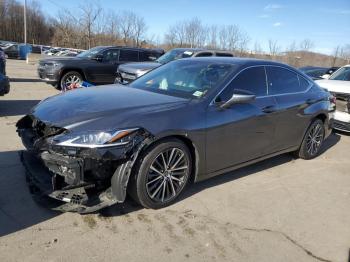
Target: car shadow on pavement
point(18, 210)
point(26, 80)
point(16, 107)
point(130, 206)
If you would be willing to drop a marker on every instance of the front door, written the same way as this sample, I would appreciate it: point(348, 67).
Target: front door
point(242, 132)
point(103, 72)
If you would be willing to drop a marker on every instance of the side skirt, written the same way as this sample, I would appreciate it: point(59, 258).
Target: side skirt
point(244, 164)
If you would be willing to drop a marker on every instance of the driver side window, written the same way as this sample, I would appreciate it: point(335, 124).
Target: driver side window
point(111, 56)
point(252, 80)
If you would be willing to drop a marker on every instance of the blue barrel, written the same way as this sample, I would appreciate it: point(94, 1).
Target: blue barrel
point(24, 50)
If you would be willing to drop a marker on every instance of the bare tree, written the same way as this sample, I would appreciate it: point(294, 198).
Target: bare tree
point(274, 48)
point(126, 22)
point(336, 53)
point(90, 12)
point(212, 36)
point(67, 30)
point(139, 30)
point(257, 48)
point(346, 53)
point(194, 32)
point(306, 45)
point(175, 37)
point(243, 42)
point(291, 54)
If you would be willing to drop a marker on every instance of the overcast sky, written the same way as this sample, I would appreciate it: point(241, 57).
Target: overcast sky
point(326, 23)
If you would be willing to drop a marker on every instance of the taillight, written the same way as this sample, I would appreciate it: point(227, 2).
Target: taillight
point(333, 99)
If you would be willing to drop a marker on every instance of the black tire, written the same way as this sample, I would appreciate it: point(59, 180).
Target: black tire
point(145, 182)
point(70, 77)
point(311, 145)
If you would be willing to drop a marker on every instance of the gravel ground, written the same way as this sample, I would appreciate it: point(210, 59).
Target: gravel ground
point(277, 210)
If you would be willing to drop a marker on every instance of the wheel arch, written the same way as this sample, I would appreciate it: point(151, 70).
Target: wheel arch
point(190, 145)
point(69, 69)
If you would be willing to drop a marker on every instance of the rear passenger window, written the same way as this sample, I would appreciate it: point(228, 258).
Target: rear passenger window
point(129, 55)
point(252, 80)
point(282, 81)
point(204, 54)
point(304, 84)
point(224, 54)
point(148, 56)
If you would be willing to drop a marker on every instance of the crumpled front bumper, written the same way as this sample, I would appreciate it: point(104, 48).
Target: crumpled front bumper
point(84, 179)
point(43, 183)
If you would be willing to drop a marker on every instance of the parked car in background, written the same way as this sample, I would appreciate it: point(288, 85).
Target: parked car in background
point(313, 71)
point(12, 51)
point(339, 85)
point(4, 84)
point(88, 148)
point(4, 80)
point(329, 72)
point(52, 51)
point(96, 66)
point(128, 72)
point(318, 72)
point(2, 62)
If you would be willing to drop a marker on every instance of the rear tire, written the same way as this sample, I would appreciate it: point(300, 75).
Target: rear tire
point(313, 141)
point(161, 174)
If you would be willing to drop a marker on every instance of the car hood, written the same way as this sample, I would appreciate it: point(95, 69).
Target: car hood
point(336, 86)
point(104, 107)
point(137, 67)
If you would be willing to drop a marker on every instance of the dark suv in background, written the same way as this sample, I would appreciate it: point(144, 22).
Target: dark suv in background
point(128, 72)
point(4, 80)
point(97, 65)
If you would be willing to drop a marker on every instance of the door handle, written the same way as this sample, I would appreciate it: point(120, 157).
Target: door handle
point(269, 109)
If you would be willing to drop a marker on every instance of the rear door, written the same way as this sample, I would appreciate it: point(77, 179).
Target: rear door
point(289, 90)
point(242, 132)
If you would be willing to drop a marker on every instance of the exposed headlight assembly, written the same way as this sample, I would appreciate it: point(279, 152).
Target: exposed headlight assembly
point(96, 139)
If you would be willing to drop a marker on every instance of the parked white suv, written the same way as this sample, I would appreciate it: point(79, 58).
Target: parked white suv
point(339, 85)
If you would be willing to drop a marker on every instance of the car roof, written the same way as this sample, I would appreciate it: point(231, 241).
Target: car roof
point(238, 61)
point(134, 48)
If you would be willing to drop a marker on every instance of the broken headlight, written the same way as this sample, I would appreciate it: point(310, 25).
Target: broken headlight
point(95, 139)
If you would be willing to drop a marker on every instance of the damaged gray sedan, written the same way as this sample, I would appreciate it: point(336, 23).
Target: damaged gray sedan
point(182, 122)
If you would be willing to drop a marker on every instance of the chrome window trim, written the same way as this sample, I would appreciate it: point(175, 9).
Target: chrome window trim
point(266, 81)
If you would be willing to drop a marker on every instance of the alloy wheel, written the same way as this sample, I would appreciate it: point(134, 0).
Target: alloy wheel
point(71, 79)
point(315, 139)
point(167, 175)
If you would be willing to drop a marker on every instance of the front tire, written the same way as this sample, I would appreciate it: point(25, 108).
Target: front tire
point(162, 174)
point(69, 78)
point(313, 141)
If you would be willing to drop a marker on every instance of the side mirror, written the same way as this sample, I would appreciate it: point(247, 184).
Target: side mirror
point(238, 97)
point(98, 58)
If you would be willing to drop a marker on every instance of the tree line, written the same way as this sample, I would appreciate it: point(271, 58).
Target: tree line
point(90, 25)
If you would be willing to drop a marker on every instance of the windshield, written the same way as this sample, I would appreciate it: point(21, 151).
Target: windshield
point(341, 74)
point(174, 55)
point(183, 78)
point(91, 52)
